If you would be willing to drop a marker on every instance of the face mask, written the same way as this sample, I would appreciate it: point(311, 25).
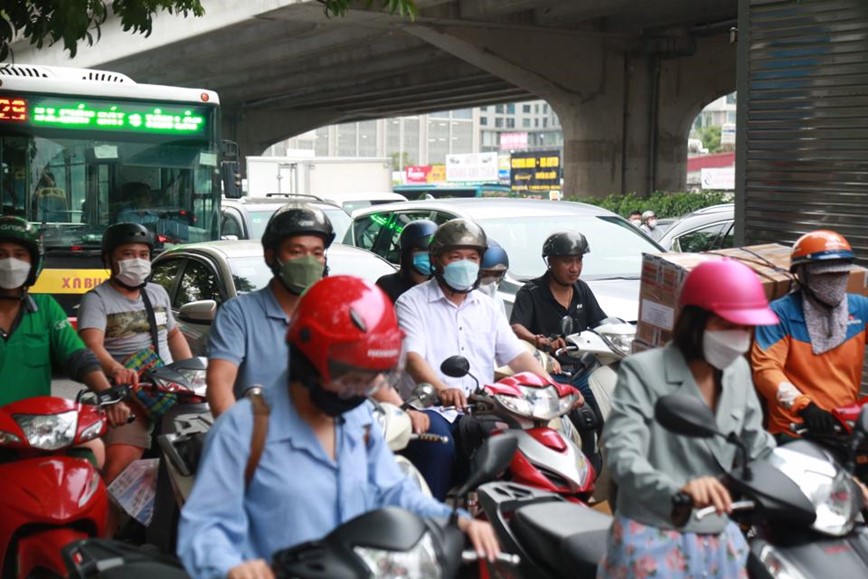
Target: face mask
point(723, 347)
point(332, 404)
point(301, 273)
point(133, 272)
point(488, 288)
point(422, 263)
point(636, 222)
point(652, 223)
point(13, 272)
point(829, 288)
point(461, 275)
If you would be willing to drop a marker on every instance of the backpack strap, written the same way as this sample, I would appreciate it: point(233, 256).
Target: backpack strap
point(257, 439)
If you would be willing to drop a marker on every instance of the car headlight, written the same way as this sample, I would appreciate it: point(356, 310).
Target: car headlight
point(621, 343)
point(420, 561)
point(830, 489)
point(537, 403)
point(49, 431)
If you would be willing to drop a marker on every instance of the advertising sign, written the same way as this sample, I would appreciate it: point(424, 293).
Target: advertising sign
point(417, 174)
point(535, 171)
point(510, 141)
point(718, 178)
point(479, 167)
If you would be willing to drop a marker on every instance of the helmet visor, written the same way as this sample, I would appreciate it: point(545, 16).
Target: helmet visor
point(758, 315)
point(349, 380)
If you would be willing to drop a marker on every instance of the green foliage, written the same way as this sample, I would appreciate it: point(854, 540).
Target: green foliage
point(710, 137)
point(401, 160)
point(73, 21)
point(406, 8)
point(663, 204)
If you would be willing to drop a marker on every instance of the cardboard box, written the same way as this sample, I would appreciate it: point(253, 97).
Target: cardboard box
point(663, 274)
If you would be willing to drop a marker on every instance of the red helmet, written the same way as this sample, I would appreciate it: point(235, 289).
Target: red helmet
point(345, 323)
point(730, 290)
point(821, 246)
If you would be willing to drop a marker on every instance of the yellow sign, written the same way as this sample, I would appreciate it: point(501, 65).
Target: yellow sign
point(437, 174)
point(68, 281)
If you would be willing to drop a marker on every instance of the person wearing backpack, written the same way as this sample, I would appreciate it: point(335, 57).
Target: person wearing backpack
point(296, 461)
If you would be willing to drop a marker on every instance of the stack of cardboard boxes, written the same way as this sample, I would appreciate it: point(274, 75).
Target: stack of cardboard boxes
point(663, 274)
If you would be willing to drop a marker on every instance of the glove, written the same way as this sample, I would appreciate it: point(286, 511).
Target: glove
point(818, 421)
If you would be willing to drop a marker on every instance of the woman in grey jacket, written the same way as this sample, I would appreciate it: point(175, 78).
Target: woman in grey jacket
point(720, 303)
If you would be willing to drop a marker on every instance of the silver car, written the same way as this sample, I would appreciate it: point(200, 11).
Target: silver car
point(612, 268)
point(201, 276)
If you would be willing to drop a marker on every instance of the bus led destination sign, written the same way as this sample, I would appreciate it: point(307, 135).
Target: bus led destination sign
point(158, 118)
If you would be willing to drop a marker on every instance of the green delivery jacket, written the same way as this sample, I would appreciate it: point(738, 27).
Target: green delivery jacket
point(43, 334)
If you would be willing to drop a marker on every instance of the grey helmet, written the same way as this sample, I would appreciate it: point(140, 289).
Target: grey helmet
point(458, 233)
point(565, 243)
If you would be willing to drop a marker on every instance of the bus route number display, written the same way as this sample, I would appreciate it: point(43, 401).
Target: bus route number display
point(98, 115)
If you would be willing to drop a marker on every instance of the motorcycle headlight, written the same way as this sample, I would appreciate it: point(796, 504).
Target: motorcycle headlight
point(420, 561)
point(830, 489)
point(621, 343)
point(48, 431)
point(537, 403)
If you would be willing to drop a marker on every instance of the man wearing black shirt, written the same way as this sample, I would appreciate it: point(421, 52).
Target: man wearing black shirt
point(542, 302)
point(415, 266)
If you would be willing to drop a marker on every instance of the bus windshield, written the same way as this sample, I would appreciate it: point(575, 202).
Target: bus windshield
point(76, 184)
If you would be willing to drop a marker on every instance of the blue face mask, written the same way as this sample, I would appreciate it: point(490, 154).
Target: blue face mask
point(422, 263)
point(461, 275)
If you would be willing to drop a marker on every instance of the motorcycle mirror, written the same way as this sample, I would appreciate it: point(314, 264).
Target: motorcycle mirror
point(862, 421)
point(455, 367)
point(492, 458)
point(566, 326)
point(685, 415)
point(423, 396)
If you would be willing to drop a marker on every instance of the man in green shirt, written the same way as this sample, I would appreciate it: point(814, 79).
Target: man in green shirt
point(34, 329)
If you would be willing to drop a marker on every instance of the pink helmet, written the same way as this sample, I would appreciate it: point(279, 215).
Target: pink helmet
point(730, 290)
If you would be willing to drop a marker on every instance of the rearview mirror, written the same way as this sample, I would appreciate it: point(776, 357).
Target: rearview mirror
point(198, 312)
point(862, 421)
point(566, 326)
point(492, 458)
point(685, 415)
point(455, 366)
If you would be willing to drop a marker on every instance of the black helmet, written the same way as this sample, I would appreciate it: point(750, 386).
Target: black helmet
point(19, 231)
point(297, 219)
point(565, 243)
point(123, 233)
point(417, 235)
point(458, 233)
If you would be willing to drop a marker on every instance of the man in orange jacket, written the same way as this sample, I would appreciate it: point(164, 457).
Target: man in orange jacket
point(811, 362)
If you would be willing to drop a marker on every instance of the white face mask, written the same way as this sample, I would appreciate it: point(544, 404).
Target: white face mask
point(723, 347)
point(13, 272)
point(488, 288)
point(133, 272)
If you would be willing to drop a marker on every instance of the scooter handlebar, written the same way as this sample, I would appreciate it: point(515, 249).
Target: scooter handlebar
point(508, 558)
point(425, 437)
point(745, 505)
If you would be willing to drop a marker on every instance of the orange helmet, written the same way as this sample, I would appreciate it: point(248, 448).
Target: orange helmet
point(820, 246)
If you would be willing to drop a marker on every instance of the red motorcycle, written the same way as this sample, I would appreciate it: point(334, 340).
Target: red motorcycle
point(848, 449)
point(525, 404)
point(47, 497)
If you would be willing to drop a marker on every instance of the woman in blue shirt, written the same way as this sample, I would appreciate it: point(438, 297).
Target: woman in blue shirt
point(324, 460)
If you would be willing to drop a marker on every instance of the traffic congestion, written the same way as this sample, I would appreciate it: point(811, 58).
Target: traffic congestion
point(426, 382)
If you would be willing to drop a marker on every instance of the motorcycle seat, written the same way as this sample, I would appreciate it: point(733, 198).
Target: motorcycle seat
point(570, 538)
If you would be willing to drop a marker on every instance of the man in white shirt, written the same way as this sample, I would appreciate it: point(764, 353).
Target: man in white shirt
point(444, 317)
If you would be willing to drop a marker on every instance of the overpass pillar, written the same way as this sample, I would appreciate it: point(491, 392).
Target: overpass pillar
point(625, 103)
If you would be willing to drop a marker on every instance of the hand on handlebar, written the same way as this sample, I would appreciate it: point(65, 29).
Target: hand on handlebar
point(708, 491)
point(420, 421)
point(125, 376)
point(482, 537)
point(119, 414)
point(453, 397)
point(818, 421)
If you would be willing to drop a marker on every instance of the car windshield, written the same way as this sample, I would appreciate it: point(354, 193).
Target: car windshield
point(251, 274)
point(259, 219)
point(616, 246)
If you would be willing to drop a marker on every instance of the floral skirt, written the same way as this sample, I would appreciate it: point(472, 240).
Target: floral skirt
point(637, 551)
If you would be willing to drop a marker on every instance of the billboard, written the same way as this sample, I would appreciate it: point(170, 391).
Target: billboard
point(535, 171)
point(423, 174)
point(478, 167)
point(510, 141)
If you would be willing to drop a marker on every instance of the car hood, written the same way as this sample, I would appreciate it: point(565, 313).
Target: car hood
point(618, 297)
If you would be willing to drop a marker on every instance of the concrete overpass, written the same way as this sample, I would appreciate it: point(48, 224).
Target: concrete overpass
point(626, 77)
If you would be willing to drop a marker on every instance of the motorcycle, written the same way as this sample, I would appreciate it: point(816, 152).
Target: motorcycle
point(49, 498)
point(524, 404)
point(398, 432)
point(387, 542)
point(840, 443)
point(802, 506)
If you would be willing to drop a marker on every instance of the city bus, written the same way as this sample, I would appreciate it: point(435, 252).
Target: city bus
point(442, 190)
point(82, 149)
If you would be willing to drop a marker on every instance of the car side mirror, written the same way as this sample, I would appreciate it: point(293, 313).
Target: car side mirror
point(198, 312)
